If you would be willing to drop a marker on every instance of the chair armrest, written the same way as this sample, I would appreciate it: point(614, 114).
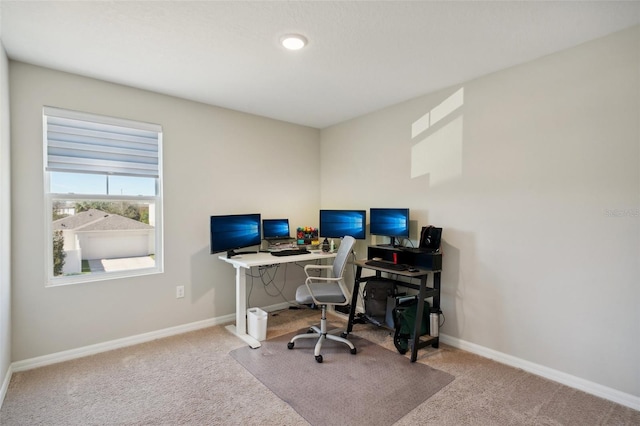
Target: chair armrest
point(322, 279)
point(311, 267)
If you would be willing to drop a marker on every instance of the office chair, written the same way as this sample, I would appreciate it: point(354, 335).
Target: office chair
point(325, 291)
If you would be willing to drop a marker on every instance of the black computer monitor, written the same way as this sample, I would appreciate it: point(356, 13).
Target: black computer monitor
point(232, 232)
point(275, 229)
point(338, 223)
point(389, 222)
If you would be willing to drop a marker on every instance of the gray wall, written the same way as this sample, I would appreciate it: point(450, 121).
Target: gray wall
point(5, 226)
point(216, 161)
point(535, 179)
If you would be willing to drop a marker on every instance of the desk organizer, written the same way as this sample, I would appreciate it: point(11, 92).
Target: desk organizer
point(307, 235)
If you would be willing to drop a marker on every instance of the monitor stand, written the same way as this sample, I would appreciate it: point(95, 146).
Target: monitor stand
point(392, 243)
point(232, 253)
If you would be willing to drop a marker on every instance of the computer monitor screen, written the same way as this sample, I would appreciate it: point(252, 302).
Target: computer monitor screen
point(275, 229)
point(338, 223)
point(390, 222)
point(230, 232)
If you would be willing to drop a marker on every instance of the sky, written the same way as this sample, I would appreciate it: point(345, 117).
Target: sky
point(82, 183)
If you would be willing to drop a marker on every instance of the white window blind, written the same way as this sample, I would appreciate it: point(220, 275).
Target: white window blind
point(86, 143)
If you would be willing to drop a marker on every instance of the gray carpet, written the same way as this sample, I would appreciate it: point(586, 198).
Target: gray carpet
point(191, 380)
point(381, 386)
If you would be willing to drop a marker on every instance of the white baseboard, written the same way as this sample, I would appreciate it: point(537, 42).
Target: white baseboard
point(54, 358)
point(592, 388)
point(5, 384)
point(279, 306)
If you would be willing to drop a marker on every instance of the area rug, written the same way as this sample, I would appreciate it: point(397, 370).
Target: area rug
point(374, 386)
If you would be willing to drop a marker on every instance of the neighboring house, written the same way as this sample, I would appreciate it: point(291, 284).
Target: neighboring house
point(95, 234)
point(65, 211)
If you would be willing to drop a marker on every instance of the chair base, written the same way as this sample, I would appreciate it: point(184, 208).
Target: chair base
point(322, 335)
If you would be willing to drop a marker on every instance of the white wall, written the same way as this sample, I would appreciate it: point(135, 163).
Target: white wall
point(216, 161)
point(533, 172)
point(5, 227)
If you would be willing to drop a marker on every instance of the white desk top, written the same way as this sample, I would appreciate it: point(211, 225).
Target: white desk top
point(260, 259)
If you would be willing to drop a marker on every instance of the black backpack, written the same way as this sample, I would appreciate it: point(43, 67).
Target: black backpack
point(404, 318)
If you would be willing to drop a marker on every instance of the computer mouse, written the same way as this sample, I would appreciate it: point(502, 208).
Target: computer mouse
point(412, 269)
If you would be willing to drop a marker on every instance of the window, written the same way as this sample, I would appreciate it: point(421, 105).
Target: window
point(103, 197)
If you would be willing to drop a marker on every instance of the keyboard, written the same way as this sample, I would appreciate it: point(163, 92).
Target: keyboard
point(290, 252)
point(386, 265)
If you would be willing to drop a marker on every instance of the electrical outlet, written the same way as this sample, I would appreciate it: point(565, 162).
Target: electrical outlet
point(179, 291)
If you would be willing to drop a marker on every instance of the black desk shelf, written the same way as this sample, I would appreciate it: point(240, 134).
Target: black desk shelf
point(426, 263)
point(408, 256)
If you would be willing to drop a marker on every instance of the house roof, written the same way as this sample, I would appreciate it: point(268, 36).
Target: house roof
point(97, 220)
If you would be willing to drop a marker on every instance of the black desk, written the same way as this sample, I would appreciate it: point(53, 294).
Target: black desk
point(424, 292)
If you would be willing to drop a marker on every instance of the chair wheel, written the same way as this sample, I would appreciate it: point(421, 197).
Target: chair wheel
point(290, 345)
point(310, 331)
point(354, 350)
point(319, 359)
point(343, 335)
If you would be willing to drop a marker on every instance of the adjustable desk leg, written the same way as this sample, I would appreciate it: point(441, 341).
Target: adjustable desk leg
point(240, 328)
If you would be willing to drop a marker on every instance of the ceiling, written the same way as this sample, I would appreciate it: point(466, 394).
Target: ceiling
point(362, 55)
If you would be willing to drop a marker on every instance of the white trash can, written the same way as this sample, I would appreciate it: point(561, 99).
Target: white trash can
point(257, 323)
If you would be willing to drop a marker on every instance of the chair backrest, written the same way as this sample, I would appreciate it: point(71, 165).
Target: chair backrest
point(340, 262)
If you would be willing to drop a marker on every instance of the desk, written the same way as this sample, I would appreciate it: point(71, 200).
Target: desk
point(247, 261)
point(423, 292)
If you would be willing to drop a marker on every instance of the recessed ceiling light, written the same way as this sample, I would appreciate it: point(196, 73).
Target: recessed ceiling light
point(293, 41)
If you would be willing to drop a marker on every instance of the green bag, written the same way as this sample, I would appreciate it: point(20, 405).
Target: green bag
point(404, 318)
